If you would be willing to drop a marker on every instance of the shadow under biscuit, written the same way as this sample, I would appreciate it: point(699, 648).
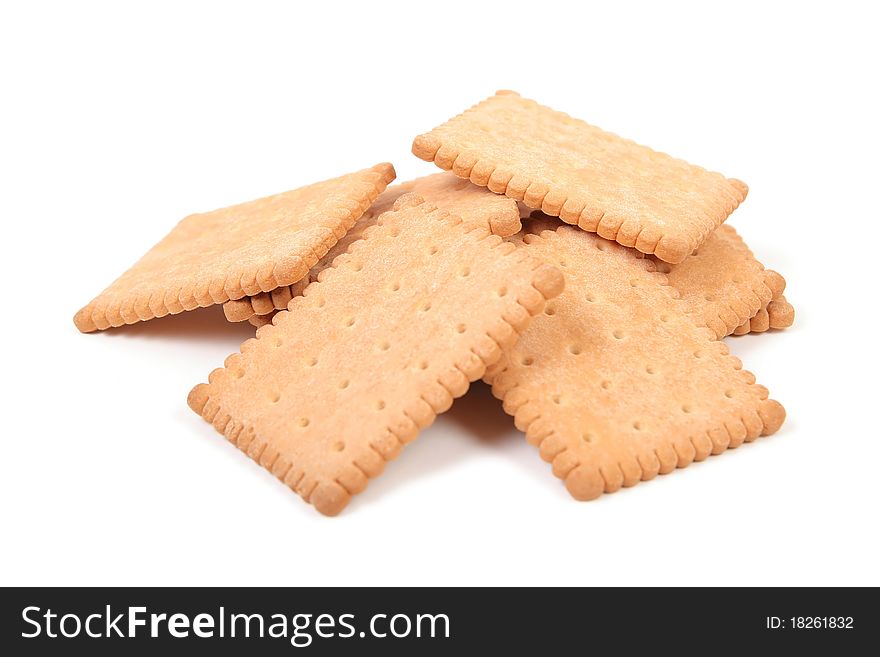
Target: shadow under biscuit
point(199, 325)
point(481, 415)
point(478, 423)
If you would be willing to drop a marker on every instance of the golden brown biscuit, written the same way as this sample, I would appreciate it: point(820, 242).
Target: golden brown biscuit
point(722, 284)
point(584, 175)
point(372, 352)
point(241, 250)
point(779, 314)
point(474, 204)
point(615, 383)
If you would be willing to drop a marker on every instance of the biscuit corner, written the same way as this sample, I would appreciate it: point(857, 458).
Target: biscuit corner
point(198, 397)
point(83, 320)
point(772, 414)
point(386, 171)
point(329, 498)
point(549, 281)
point(673, 249)
point(425, 147)
point(741, 188)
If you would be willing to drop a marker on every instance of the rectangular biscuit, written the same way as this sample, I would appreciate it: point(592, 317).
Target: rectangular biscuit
point(374, 350)
point(722, 284)
point(567, 168)
point(236, 251)
point(615, 383)
point(474, 204)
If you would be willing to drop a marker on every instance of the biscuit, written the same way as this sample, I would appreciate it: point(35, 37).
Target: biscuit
point(722, 284)
point(241, 250)
point(614, 382)
point(370, 353)
point(474, 204)
point(779, 314)
point(567, 168)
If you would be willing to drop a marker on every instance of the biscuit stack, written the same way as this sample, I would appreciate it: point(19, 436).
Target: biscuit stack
point(587, 278)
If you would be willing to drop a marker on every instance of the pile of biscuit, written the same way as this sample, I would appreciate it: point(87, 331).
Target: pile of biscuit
point(589, 280)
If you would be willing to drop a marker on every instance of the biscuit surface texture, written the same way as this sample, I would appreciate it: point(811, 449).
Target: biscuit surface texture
point(615, 383)
point(370, 353)
point(475, 205)
point(236, 251)
point(586, 176)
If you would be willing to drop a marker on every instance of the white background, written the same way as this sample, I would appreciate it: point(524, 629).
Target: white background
point(118, 120)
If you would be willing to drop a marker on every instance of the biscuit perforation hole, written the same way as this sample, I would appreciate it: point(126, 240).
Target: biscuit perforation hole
point(465, 272)
point(394, 287)
point(549, 311)
point(277, 342)
point(502, 292)
point(433, 250)
point(637, 426)
point(349, 322)
point(338, 446)
point(425, 306)
point(728, 394)
point(685, 408)
point(587, 437)
point(380, 405)
point(303, 422)
point(344, 384)
point(274, 396)
point(618, 334)
point(312, 361)
point(528, 361)
point(461, 328)
point(557, 399)
point(384, 345)
point(574, 349)
point(606, 384)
